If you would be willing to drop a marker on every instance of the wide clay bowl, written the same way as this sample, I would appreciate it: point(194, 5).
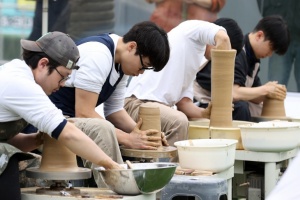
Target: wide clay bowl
point(143, 178)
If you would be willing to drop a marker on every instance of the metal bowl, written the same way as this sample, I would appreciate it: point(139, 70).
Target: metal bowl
point(144, 178)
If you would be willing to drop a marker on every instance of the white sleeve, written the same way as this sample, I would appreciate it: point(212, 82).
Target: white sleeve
point(95, 64)
point(29, 101)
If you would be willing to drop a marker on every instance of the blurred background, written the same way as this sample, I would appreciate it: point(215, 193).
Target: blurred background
point(78, 19)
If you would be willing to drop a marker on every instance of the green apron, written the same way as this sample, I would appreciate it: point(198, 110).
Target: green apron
point(7, 131)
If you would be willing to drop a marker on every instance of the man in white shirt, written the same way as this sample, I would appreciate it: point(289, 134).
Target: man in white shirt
point(24, 86)
point(173, 86)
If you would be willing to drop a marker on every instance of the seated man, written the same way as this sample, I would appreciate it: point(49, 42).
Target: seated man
point(173, 85)
point(105, 62)
point(270, 35)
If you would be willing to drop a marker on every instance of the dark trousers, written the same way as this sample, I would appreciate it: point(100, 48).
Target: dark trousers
point(9, 180)
point(241, 110)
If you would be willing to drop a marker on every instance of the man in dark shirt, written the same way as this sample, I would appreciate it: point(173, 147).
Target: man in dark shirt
point(270, 35)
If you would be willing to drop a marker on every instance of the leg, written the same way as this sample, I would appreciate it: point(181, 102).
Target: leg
point(241, 111)
point(9, 180)
point(271, 177)
point(103, 134)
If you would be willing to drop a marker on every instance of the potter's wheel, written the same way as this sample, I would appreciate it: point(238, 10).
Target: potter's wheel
point(269, 118)
point(79, 173)
point(89, 193)
point(161, 152)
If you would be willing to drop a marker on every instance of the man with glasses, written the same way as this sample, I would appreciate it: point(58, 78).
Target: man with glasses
point(106, 61)
point(24, 88)
point(173, 85)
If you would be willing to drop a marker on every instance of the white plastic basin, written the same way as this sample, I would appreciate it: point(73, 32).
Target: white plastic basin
point(272, 136)
point(213, 155)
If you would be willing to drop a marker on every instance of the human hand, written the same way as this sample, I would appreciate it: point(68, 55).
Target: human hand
point(143, 139)
point(164, 139)
point(207, 111)
point(275, 90)
point(113, 165)
point(39, 138)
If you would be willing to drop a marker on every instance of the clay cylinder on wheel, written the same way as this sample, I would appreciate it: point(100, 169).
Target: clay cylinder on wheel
point(222, 75)
point(151, 118)
point(273, 108)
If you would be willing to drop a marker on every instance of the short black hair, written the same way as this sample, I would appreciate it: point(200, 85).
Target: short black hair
point(276, 31)
point(152, 41)
point(234, 32)
point(32, 58)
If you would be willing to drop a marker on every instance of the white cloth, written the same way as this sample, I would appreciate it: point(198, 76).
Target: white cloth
point(188, 43)
point(22, 97)
point(288, 185)
point(95, 64)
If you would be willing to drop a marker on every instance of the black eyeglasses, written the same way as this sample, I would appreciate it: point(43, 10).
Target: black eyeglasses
point(143, 66)
point(63, 78)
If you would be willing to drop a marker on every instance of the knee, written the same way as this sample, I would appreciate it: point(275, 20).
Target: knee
point(101, 124)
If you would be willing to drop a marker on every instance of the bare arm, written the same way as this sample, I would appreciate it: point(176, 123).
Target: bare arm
point(257, 94)
point(26, 142)
point(187, 106)
point(136, 138)
point(83, 146)
point(125, 126)
point(222, 40)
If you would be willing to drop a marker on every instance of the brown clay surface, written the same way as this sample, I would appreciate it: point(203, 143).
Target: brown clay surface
point(273, 108)
point(151, 118)
point(56, 157)
point(222, 74)
point(161, 152)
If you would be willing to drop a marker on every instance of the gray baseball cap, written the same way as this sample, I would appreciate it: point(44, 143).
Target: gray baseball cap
point(58, 46)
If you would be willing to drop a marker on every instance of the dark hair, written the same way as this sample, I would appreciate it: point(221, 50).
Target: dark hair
point(152, 41)
point(32, 58)
point(234, 32)
point(276, 31)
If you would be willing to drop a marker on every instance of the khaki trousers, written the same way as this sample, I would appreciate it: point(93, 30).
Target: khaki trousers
point(173, 122)
point(103, 134)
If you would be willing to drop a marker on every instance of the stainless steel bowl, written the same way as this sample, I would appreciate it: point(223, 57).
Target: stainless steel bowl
point(144, 178)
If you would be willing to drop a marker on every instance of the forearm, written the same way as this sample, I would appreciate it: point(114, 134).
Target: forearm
point(123, 138)
point(80, 144)
point(122, 120)
point(222, 40)
point(26, 142)
point(253, 94)
point(187, 106)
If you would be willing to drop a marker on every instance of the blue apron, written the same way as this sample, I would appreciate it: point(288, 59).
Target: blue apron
point(64, 98)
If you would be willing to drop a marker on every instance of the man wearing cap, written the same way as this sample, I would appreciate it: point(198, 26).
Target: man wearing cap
point(105, 62)
point(24, 86)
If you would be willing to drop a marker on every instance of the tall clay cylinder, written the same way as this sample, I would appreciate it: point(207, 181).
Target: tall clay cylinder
point(273, 108)
point(151, 118)
point(222, 75)
point(56, 157)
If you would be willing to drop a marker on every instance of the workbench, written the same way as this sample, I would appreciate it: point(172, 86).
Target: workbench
point(272, 162)
point(29, 194)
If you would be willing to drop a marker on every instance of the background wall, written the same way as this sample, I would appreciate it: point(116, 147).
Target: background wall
point(245, 12)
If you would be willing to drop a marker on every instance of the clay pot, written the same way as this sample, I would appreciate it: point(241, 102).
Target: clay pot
point(222, 75)
point(57, 157)
point(151, 118)
point(273, 108)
